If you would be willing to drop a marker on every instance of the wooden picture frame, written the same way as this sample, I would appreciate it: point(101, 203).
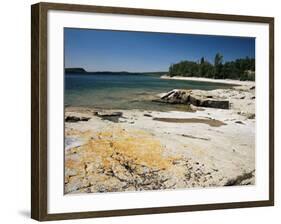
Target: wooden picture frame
point(39, 108)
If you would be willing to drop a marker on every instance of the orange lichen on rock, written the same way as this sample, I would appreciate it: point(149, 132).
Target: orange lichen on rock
point(116, 159)
point(113, 156)
point(137, 146)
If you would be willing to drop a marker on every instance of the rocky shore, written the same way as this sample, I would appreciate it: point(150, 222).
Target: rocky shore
point(211, 145)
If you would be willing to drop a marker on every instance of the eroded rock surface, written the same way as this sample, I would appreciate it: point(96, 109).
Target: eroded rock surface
point(196, 98)
point(240, 98)
point(118, 160)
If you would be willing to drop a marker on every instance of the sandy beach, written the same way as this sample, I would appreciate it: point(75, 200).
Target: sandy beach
point(224, 81)
point(134, 150)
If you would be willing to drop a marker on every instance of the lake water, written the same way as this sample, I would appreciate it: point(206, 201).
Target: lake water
point(125, 91)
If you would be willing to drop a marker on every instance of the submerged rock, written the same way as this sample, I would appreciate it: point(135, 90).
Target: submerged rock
point(197, 98)
point(76, 119)
point(110, 116)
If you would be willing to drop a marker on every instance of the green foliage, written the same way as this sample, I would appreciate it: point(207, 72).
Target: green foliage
point(218, 66)
point(206, 69)
point(184, 68)
point(242, 69)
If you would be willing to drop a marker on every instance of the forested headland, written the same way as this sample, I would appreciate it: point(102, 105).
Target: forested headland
point(239, 69)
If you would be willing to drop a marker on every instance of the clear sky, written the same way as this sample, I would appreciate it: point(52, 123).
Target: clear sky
point(103, 50)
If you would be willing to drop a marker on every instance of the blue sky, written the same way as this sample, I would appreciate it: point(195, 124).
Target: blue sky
point(104, 50)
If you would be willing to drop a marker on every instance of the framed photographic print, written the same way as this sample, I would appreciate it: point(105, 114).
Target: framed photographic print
point(139, 111)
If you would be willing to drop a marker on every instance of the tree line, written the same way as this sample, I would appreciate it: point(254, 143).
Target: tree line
point(241, 69)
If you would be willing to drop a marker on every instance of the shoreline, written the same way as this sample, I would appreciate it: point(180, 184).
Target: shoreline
point(222, 81)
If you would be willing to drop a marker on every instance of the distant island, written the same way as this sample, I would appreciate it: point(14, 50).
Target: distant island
point(240, 69)
point(83, 72)
point(75, 70)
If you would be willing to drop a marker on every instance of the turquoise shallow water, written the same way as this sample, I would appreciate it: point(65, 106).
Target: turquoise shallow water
point(125, 91)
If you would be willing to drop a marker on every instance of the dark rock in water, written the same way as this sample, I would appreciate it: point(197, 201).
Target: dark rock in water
point(239, 122)
point(85, 118)
point(110, 116)
point(76, 119)
point(72, 119)
point(189, 97)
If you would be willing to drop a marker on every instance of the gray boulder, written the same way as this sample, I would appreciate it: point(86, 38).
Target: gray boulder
point(199, 98)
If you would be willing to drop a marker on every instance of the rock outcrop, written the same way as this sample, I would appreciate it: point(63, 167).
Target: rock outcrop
point(199, 98)
point(116, 160)
point(75, 119)
point(154, 150)
point(113, 116)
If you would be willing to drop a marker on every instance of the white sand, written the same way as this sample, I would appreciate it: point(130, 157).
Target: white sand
point(223, 81)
